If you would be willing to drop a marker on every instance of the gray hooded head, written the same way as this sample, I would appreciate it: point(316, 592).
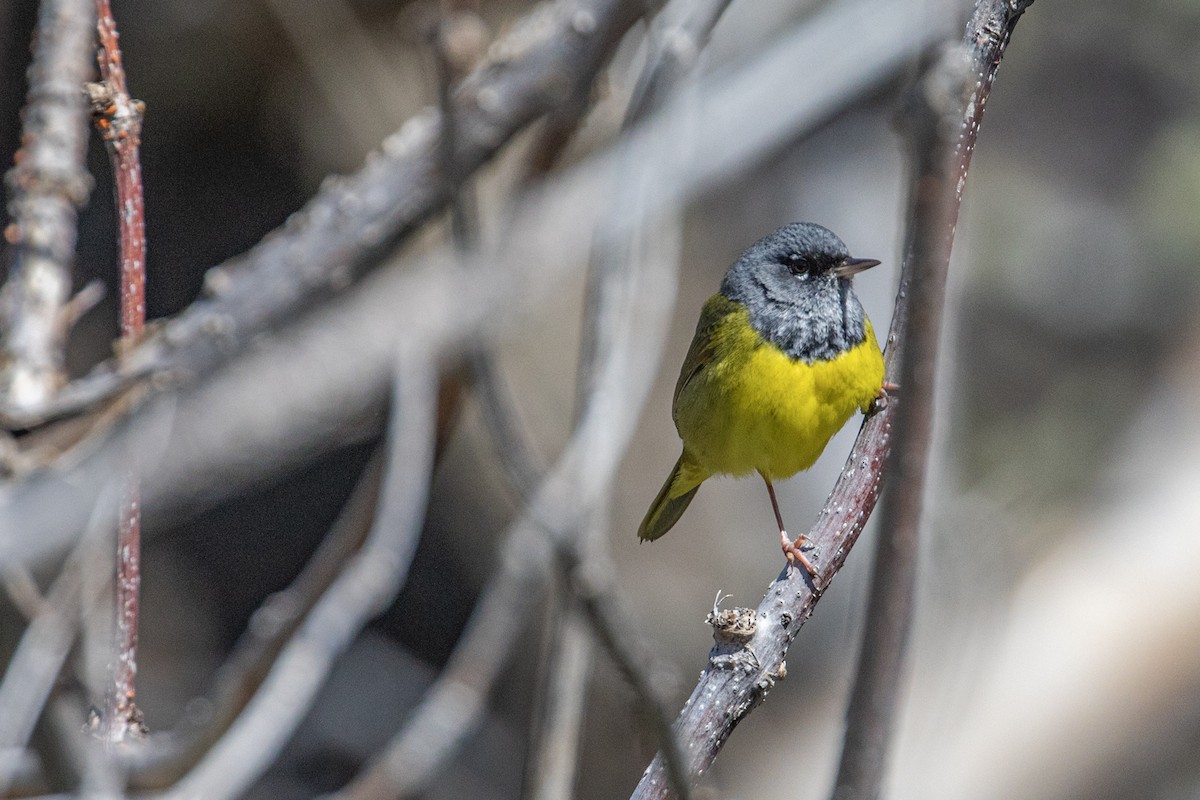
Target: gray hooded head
point(796, 300)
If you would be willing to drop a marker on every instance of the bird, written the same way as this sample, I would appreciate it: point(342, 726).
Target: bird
point(782, 357)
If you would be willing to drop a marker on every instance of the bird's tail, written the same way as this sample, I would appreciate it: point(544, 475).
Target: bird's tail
point(672, 499)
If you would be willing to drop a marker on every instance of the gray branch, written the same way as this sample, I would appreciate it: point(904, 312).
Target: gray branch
point(47, 187)
point(354, 221)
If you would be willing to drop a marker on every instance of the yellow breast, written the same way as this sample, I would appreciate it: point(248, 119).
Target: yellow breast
point(753, 408)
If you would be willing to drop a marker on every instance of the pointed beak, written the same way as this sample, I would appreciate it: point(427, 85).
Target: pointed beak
point(852, 266)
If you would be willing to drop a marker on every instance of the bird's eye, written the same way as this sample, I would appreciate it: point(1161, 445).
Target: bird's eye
point(797, 263)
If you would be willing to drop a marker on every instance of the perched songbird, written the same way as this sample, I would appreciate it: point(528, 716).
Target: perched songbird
point(782, 357)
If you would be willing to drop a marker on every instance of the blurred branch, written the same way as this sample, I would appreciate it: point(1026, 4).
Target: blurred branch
point(367, 585)
point(328, 370)
point(632, 319)
point(354, 221)
point(678, 35)
point(453, 705)
point(1065, 655)
point(35, 665)
point(579, 481)
point(930, 122)
point(165, 758)
point(942, 123)
point(743, 667)
point(47, 186)
point(515, 451)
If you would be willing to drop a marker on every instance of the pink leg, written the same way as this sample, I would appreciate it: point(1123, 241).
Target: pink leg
point(790, 549)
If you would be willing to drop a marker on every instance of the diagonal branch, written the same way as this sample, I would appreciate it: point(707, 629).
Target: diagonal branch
point(354, 221)
point(749, 658)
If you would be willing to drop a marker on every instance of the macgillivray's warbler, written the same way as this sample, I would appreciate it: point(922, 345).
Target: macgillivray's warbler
point(783, 355)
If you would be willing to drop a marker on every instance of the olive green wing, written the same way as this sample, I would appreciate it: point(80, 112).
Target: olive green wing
point(704, 342)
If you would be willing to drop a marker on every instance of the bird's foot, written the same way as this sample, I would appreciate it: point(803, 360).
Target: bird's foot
point(882, 399)
point(791, 550)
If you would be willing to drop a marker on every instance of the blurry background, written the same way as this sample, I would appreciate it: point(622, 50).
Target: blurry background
point(1057, 648)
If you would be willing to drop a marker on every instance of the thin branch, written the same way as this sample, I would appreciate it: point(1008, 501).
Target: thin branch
point(367, 585)
point(327, 372)
point(47, 186)
point(749, 655)
point(932, 121)
point(118, 117)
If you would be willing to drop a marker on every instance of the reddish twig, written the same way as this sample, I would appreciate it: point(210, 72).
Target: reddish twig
point(118, 117)
point(119, 120)
point(751, 644)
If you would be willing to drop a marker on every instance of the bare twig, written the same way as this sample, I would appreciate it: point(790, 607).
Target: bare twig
point(118, 117)
point(332, 372)
point(46, 188)
point(743, 668)
point(365, 587)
